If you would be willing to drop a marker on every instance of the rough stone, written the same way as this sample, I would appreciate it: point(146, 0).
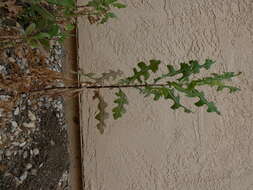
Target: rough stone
point(14, 124)
point(8, 153)
point(28, 166)
point(31, 116)
point(36, 151)
point(23, 176)
point(29, 125)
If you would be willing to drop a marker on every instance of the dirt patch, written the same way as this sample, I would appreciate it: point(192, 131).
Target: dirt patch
point(44, 162)
point(52, 140)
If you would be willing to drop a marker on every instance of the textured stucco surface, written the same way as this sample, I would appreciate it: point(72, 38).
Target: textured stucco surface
point(152, 147)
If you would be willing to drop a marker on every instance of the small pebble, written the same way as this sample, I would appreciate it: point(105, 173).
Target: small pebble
point(23, 176)
point(31, 116)
point(28, 166)
point(25, 155)
point(34, 172)
point(8, 153)
point(2, 69)
point(52, 143)
point(16, 112)
point(65, 126)
point(15, 143)
point(14, 124)
point(29, 102)
point(22, 144)
point(11, 59)
point(36, 151)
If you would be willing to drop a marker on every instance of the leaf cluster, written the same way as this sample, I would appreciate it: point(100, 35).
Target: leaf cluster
point(176, 82)
point(44, 21)
point(102, 10)
point(121, 101)
point(172, 89)
point(142, 73)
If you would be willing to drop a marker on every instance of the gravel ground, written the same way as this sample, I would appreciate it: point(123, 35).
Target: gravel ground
point(33, 132)
point(33, 144)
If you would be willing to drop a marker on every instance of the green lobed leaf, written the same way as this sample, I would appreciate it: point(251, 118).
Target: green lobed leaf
point(166, 93)
point(186, 69)
point(121, 101)
point(144, 71)
point(216, 80)
point(194, 93)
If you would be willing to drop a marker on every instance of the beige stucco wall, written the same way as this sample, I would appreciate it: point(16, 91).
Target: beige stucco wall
point(152, 147)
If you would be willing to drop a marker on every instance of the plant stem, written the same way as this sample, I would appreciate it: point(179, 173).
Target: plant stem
point(78, 89)
point(125, 86)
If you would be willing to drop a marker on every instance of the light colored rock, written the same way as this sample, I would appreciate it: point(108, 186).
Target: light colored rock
point(52, 143)
point(15, 143)
point(25, 154)
point(11, 59)
point(16, 111)
point(8, 153)
point(29, 125)
point(2, 69)
point(22, 144)
point(36, 151)
point(28, 166)
point(14, 124)
point(31, 116)
point(23, 177)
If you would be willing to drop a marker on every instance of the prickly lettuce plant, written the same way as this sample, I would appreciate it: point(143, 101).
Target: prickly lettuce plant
point(169, 86)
